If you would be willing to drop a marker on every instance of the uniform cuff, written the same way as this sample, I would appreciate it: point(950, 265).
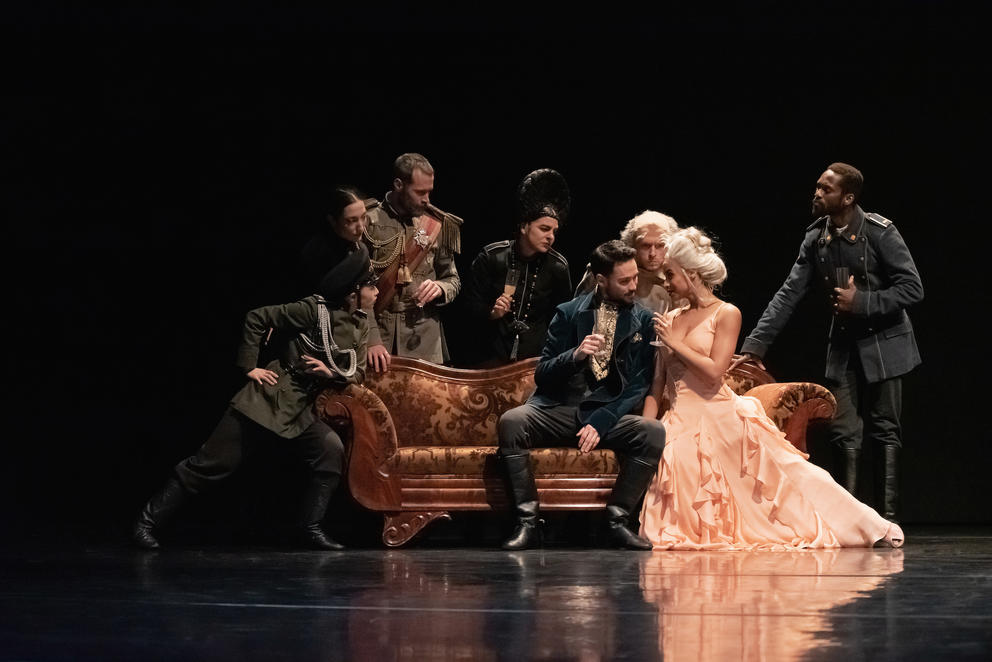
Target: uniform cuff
point(860, 303)
point(753, 347)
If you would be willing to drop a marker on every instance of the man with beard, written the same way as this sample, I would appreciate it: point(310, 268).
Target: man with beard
point(595, 368)
point(412, 244)
point(646, 234)
point(865, 268)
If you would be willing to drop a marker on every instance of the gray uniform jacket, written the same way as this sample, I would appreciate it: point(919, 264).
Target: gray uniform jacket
point(417, 331)
point(887, 282)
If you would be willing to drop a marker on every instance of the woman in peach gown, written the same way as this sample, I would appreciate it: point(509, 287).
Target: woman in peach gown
point(728, 477)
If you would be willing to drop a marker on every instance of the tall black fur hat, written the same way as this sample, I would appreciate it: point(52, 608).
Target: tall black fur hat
point(543, 192)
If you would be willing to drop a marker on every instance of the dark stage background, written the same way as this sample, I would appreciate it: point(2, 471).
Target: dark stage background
point(164, 168)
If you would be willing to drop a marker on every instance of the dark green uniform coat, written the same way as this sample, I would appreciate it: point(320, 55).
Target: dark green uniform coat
point(286, 408)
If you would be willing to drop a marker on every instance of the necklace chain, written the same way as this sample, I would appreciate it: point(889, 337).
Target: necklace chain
point(523, 308)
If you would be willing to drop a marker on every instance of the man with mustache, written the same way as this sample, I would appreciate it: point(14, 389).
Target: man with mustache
point(864, 267)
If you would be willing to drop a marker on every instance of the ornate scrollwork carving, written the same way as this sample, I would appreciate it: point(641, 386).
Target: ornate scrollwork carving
point(399, 528)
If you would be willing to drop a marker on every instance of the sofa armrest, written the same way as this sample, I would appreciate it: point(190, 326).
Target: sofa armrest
point(793, 406)
point(373, 444)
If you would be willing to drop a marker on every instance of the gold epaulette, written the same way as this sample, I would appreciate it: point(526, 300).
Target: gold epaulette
point(450, 238)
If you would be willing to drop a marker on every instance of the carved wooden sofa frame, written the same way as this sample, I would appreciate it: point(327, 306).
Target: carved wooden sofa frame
point(423, 440)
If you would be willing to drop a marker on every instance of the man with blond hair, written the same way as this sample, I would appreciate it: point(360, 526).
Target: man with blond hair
point(646, 233)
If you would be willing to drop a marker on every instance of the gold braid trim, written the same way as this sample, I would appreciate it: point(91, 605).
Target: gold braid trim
point(398, 240)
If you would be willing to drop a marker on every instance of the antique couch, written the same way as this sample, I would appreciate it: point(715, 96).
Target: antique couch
point(422, 440)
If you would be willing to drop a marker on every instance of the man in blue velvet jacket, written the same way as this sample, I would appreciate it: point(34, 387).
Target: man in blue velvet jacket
point(595, 368)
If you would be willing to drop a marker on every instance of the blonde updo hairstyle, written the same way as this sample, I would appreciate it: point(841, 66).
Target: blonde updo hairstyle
point(693, 250)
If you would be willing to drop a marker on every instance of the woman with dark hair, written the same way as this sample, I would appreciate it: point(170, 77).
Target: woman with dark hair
point(514, 312)
point(338, 236)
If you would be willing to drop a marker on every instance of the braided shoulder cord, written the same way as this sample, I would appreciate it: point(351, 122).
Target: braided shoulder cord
point(324, 320)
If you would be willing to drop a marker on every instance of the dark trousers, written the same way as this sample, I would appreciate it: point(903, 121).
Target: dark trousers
point(319, 446)
point(864, 409)
point(529, 426)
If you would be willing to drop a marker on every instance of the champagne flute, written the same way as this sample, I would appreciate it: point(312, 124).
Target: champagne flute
point(841, 276)
point(656, 342)
point(510, 285)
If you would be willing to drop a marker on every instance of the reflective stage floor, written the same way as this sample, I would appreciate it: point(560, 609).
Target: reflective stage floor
point(104, 601)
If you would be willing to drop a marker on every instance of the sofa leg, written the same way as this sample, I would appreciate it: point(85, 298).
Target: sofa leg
point(399, 528)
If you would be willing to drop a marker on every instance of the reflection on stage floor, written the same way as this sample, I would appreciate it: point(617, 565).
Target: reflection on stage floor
point(930, 600)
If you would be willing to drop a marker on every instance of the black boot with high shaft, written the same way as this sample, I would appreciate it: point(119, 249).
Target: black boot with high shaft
point(315, 501)
point(632, 481)
point(156, 512)
point(527, 534)
point(850, 459)
point(890, 484)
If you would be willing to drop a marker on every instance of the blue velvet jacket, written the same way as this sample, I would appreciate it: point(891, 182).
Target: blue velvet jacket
point(561, 380)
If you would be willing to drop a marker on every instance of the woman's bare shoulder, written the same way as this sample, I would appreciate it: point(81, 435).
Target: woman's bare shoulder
point(728, 314)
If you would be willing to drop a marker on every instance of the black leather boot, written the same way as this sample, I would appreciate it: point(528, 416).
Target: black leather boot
point(890, 484)
point(851, 456)
point(156, 512)
point(315, 501)
point(524, 493)
point(631, 483)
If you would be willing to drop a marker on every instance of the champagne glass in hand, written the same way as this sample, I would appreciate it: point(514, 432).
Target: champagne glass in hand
point(657, 317)
point(504, 302)
point(841, 277)
point(510, 285)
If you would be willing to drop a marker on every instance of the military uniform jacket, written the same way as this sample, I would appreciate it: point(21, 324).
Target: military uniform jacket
point(563, 381)
point(286, 407)
point(538, 294)
point(417, 332)
point(887, 282)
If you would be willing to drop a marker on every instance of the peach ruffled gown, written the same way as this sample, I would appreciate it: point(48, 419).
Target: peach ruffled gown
point(729, 479)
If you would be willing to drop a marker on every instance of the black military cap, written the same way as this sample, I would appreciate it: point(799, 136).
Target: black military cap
point(347, 275)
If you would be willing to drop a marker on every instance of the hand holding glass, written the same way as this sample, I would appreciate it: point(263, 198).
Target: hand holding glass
point(841, 277)
point(510, 285)
point(598, 330)
point(657, 317)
